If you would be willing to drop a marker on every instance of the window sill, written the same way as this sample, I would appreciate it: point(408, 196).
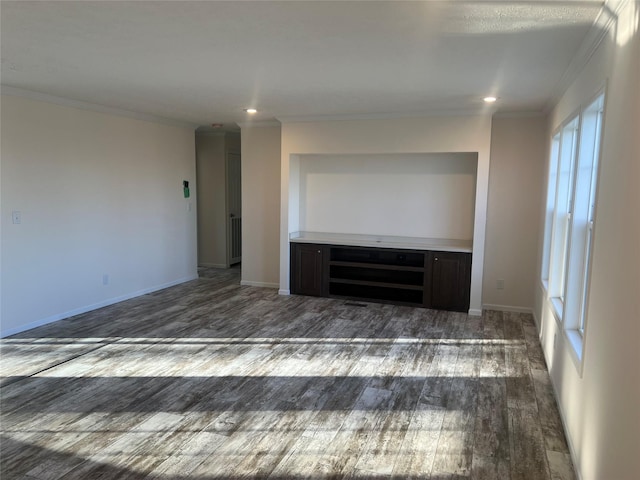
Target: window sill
point(558, 308)
point(576, 343)
point(545, 284)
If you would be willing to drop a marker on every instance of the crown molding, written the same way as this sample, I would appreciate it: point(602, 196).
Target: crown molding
point(94, 107)
point(523, 114)
point(260, 124)
point(480, 111)
point(604, 24)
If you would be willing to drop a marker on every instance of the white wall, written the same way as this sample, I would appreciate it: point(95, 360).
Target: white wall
point(99, 194)
point(411, 195)
point(260, 205)
point(516, 186)
point(471, 134)
point(600, 406)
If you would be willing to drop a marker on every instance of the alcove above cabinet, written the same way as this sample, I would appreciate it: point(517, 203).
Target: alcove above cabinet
point(425, 278)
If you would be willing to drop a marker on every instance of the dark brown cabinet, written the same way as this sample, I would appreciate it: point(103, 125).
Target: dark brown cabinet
point(307, 272)
point(425, 278)
point(448, 281)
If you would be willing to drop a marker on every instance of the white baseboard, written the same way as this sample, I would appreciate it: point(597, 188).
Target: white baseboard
point(572, 450)
point(507, 308)
point(474, 312)
point(95, 306)
point(535, 320)
point(250, 283)
point(213, 265)
point(284, 292)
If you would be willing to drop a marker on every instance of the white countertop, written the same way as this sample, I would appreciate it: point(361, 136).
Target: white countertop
point(383, 241)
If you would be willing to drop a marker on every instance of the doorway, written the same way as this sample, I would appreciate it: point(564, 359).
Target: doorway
point(218, 168)
point(234, 209)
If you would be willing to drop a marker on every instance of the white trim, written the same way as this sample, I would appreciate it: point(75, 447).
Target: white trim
point(507, 308)
point(264, 124)
point(576, 348)
point(94, 107)
point(249, 283)
point(572, 450)
point(563, 419)
point(606, 20)
point(544, 283)
point(558, 310)
point(521, 114)
point(375, 116)
point(475, 312)
point(95, 306)
point(212, 265)
point(481, 110)
point(538, 326)
point(282, 291)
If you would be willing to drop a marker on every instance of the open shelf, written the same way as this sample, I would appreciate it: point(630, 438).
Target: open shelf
point(377, 274)
point(377, 256)
point(376, 293)
point(376, 265)
point(397, 286)
point(372, 275)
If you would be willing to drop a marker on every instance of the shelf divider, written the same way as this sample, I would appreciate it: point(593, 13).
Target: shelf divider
point(399, 286)
point(379, 266)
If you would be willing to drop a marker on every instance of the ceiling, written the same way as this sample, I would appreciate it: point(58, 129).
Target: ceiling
point(204, 62)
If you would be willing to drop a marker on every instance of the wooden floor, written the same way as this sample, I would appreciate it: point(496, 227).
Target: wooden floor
point(210, 380)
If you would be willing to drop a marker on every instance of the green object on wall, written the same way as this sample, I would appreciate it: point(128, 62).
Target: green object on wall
point(186, 192)
point(185, 188)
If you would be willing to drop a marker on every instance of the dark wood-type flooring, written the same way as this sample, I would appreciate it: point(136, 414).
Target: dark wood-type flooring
point(211, 380)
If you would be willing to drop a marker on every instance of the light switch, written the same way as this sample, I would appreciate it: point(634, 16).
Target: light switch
point(16, 217)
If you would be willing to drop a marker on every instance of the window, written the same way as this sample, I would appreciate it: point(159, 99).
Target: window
point(583, 220)
point(570, 218)
point(551, 202)
point(562, 214)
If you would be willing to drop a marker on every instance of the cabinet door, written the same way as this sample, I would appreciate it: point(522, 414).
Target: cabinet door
point(450, 281)
point(307, 271)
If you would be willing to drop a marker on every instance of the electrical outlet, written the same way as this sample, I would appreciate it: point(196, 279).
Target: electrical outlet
point(500, 284)
point(16, 217)
point(105, 279)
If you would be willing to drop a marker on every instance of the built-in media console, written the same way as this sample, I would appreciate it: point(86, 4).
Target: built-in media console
point(431, 273)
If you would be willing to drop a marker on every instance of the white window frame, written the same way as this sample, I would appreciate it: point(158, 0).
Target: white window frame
point(554, 156)
point(561, 227)
point(569, 235)
point(584, 219)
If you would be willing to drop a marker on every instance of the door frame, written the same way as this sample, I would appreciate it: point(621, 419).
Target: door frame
point(228, 212)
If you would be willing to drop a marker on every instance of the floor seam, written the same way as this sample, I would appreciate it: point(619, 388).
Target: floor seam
point(14, 380)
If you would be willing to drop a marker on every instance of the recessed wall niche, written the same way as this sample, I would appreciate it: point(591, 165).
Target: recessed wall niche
point(424, 195)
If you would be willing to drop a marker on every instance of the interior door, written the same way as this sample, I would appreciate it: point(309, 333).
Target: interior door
point(234, 209)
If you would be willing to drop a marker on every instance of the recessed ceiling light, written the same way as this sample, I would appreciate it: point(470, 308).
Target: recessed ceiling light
point(490, 99)
point(251, 110)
